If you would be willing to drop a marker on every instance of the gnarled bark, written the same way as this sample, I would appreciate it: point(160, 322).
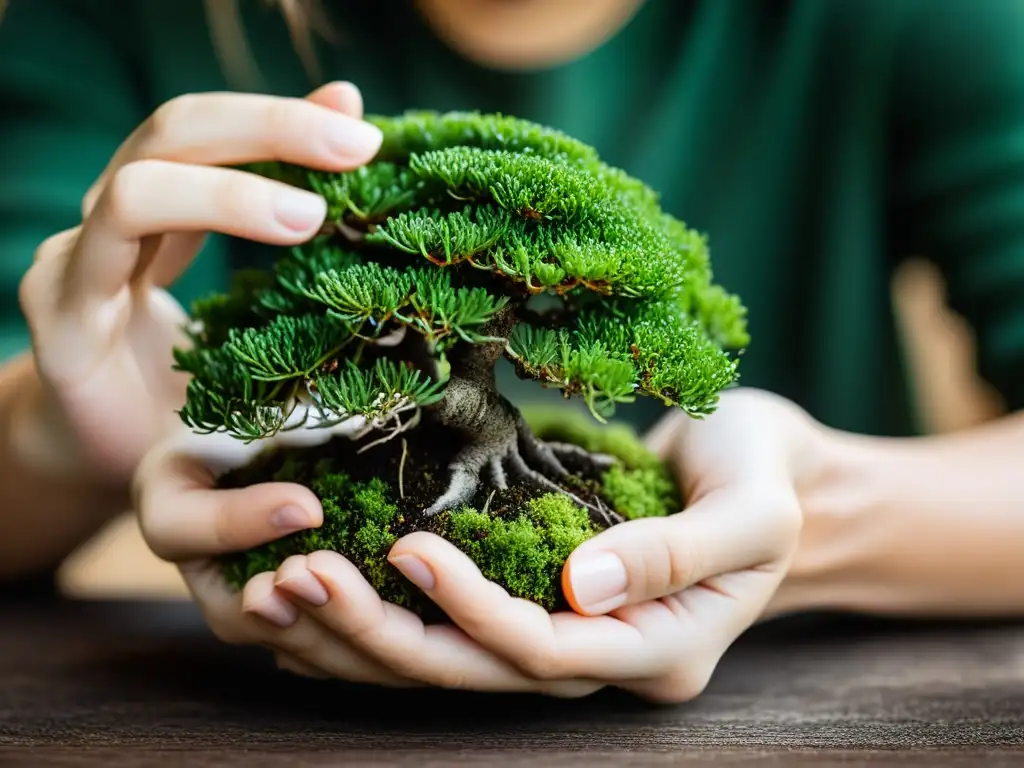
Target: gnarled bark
point(497, 438)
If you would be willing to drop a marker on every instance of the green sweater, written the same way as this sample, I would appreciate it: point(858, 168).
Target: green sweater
point(817, 142)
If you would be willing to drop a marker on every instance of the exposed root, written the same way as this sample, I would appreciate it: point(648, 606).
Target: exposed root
point(594, 463)
point(401, 468)
point(501, 460)
point(498, 439)
point(463, 483)
point(598, 511)
point(497, 474)
point(537, 452)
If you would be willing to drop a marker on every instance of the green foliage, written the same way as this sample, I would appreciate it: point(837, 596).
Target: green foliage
point(461, 218)
point(622, 348)
point(218, 314)
point(417, 132)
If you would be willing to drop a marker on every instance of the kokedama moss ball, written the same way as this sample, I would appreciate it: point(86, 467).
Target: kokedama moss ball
point(468, 239)
point(520, 539)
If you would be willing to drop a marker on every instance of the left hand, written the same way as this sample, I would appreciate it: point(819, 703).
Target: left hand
point(656, 601)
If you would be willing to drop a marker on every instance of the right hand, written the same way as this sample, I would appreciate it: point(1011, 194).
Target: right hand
point(102, 325)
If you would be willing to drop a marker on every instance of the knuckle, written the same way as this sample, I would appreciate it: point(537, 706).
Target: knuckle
point(127, 189)
point(228, 632)
point(30, 292)
point(541, 662)
point(56, 244)
point(229, 532)
point(452, 680)
point(90, 198)
point(169, 119)
point(283, 121)
point(154, 527)
point(240, 197)
point(38, 282)
point(155, 532)
point(682, 561)
point(681, 686)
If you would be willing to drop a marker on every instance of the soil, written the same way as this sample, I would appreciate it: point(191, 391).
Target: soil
point(415, 466)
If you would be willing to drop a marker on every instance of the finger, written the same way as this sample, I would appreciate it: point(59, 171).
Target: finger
point(221, 606)
point(340, 96)
point(183, 517)
point(709, 618)
point(238, 128)
point(258, 615)
point(153, 197)
point(543, 646)
point(438, 655)
point(36, 291)
point(293, 579)
point(727, 530)
point(177, 250)
point(183, 131)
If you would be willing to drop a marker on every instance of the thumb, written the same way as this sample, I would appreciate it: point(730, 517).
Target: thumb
point(725, 531)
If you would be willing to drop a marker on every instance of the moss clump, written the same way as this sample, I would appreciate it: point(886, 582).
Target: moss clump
point(519, 539)
point(524, 553)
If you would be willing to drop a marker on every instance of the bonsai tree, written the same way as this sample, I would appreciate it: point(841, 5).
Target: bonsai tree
point(469, 238)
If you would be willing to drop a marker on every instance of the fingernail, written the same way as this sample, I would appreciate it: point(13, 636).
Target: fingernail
point(306, 587)
point(279, 612)
point(415, 570)
point(290, 519)
point(354, 137)
point(299, 210)
point(598, 582)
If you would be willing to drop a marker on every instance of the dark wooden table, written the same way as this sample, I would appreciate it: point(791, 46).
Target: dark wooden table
point(146, 685)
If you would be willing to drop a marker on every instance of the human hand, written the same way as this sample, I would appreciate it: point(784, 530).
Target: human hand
point(103, 326)
point(657, 601)
point(186, 521)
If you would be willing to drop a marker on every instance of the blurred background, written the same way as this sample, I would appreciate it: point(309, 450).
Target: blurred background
point(939, 348)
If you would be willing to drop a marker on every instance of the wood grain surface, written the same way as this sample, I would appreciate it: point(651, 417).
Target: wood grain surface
point(144, 684)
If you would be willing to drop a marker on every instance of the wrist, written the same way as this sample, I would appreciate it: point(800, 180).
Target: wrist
point(841, 492)
point(49, 504)
point(39, 443)
point(925, 527)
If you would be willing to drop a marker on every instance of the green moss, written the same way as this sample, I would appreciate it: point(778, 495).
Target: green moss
point(644, 492)
point(510, 552)
point(641, 486)
point(526, 553)
point(521, 543)
point(572, 426)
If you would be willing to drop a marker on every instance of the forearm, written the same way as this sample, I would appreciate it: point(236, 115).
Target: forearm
point(47, 506)
point(924, 527)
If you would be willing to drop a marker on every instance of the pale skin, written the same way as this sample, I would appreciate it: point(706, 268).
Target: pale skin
point(782, 514)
